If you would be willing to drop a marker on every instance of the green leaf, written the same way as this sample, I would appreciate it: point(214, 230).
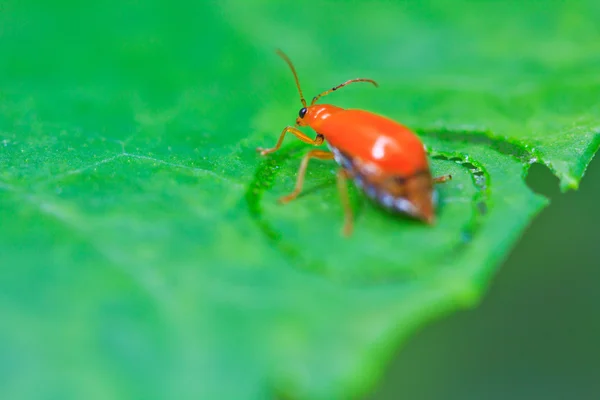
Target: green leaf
point(142, 250)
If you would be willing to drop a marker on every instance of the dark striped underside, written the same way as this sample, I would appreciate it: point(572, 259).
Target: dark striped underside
point(364, 180)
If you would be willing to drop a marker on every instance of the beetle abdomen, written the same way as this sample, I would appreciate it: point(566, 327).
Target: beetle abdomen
point(412, 195)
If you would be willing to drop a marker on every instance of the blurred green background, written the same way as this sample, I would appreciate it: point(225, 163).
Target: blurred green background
point(535, 334)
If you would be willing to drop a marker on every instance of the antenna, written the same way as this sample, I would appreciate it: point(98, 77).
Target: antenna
point(289, 62)
point(333, 89)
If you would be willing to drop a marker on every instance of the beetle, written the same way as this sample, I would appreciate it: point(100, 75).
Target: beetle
point(383, 157)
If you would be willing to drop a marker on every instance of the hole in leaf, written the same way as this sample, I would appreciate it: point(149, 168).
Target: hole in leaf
point(500, 145)
point(542, 181)
point(282, 233)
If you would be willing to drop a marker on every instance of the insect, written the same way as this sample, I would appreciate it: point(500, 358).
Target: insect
point(385, 159)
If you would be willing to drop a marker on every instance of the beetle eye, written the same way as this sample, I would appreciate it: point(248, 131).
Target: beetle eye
point(302, 112)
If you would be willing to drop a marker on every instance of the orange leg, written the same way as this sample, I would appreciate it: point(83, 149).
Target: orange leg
point(442, 179)
point(321, 155)
point(296, 132)
point(342, 183)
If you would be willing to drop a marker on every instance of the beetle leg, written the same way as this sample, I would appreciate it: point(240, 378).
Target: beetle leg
point(342, 183)
point(442, 179)
point(296, 132)
point(321, 155)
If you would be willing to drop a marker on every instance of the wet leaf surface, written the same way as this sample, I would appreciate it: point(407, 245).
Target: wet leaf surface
point(143, 253)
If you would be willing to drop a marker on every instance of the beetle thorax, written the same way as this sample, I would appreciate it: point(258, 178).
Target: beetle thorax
point(317, 114)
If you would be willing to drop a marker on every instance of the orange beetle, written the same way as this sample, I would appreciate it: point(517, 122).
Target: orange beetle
point(385, 159)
